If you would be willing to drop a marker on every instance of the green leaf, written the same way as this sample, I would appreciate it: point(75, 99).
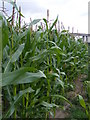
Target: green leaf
point(14, 4)
point(18, 52)
point(88, 88)
point(57, 50)
point(60, 82)
point(21, 35)
point(34, 22)
point(4, 28)
point(53, 74)
point(72, 63)
point(41, 55)
point(82, 102)
point(15, 56)
point(61, 97)
point(46, 23)
point(17, 99)
point(69, 59)
point(48, 105)
point(21, 76)
point(62, 73)
point(53, 24)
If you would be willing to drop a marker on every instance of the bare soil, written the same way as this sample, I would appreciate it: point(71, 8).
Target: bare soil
point(79, 89)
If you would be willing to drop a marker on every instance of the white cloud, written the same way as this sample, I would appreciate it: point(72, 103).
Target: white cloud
point(73, 13)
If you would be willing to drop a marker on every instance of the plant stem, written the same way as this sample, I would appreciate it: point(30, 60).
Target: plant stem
point(27, 99)
point(48, 81)
point(15, 88)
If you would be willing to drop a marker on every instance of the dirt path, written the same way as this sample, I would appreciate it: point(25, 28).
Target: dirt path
point(71, 95)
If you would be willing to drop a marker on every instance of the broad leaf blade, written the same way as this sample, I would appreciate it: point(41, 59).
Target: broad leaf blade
point(4, 28)
point(18, 52)
point(17, 98)
point(61, 97)
point(21, 76)
point(82, 102)
point(34, 22)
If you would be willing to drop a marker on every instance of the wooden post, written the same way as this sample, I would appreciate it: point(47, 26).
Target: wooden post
point(83, 38)
point(89, 41)
point(88, 87)
point(69, 28)
point(0, 69)
point(86, 38)
point(72, 29)
point(3, 6)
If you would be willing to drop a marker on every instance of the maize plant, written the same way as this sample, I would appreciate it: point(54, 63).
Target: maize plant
point(37, 67)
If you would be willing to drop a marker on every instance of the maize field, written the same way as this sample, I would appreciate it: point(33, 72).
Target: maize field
point(38, 68)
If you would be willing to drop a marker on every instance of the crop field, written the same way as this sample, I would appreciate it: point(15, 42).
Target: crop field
point(39, 68)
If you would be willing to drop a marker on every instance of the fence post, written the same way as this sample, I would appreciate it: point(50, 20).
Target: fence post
point(68, 28)
point(89, 40)
point(3, 6)
point(89, 53)
point(72, 29)
point(83, 38)
point(86, 38)
point(0, 69)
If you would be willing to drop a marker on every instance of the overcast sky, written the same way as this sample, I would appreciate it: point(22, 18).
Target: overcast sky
point(73, 13)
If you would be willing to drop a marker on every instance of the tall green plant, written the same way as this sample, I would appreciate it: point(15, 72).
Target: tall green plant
point(39, 67)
